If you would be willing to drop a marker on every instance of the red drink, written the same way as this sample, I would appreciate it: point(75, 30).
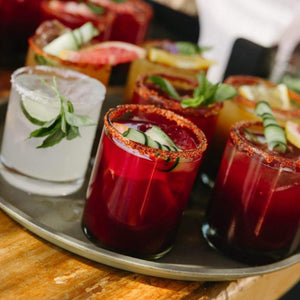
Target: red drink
point(254, 214)
point(73, 14)
point(205, 117)
point(132, 19)
point(18, 20)
point(137, 194)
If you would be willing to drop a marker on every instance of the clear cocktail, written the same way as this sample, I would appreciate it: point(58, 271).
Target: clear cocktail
point(254, 214)
point(44, 149)
point(137, 193)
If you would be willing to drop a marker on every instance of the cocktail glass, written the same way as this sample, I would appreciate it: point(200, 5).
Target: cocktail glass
point(74, 14)
point(254, 213)
point(137, 194)
point(56, 170)
point(18, 20)
point(132, 19)
point(150, 65)
point(36, 56)
point(205, 117)
point(241, 108)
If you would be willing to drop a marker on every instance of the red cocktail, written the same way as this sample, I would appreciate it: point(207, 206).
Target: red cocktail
point(73, 14)
point(205, 117)
point(254, 213)
point(18, 20)
point(132, 19)
point(137, 193)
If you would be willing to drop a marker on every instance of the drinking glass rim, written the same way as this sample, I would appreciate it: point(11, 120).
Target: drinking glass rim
point(173, 104)
point(238, 80)
point(63, 62)
point(270, 159)
point(191, 154)
point(62, 72)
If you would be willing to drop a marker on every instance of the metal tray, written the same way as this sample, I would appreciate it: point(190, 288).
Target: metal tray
point(58, 220)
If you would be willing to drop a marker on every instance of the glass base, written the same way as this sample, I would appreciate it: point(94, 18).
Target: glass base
point(150, 256)
point(245, 255)
point(40, 187)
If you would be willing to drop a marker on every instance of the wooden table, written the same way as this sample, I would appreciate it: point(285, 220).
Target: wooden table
point(31, 268)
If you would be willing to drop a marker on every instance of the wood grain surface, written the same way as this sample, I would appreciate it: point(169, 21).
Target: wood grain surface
point(31, 268)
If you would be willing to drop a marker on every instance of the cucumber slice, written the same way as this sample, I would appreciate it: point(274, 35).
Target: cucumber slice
point(160, 136)
point(136, 136)
point(39, 113)
point(72, 40)
point(273, 133)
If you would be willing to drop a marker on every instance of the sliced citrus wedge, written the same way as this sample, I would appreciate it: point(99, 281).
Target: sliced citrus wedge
point(39, 113)
point(178, 60)
point(292, 130)
point(277, 96)
point(106, 53)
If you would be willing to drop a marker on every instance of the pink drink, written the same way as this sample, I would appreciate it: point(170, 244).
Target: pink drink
point(254, 213)
point(136, 195)
point(145, 92)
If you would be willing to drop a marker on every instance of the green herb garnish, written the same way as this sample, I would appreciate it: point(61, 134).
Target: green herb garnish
point(188, 48)
point(119, 1)
point(165, 85)
point(65, 125)
point(96, 9)
point(205, 94)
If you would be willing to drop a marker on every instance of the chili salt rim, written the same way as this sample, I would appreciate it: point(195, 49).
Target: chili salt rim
point(119, 110)
point(238, 80)
point(153, 97)
point(244, 145)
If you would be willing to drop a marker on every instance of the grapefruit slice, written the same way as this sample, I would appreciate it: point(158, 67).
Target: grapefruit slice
point(106, 53)
point(292, 130)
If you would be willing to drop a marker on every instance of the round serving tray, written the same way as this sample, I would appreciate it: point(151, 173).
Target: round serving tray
point(58, 220)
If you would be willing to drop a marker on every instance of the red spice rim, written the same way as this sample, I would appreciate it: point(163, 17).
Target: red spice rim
point(118, 111)
point(63, 62)
point(174, 104)
point(244, 145)
point(119, 8)
point(239, 80)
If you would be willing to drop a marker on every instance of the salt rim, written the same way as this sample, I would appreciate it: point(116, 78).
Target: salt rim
point(270, 159)
point(49, 71)
point(152, 97)
point(238, 80)
point(118, 111)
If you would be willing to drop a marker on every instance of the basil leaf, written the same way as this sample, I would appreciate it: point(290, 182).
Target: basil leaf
point(44, 131)
point(53, 139)
point(224, 92)
point(96, 9)
point(188, 48)
point(78, 120)
point(192, 102)
point(165, 85)
point(73, 132)
point(119, 1)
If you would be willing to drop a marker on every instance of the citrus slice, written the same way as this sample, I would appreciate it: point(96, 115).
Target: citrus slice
point(178, 60)
point(106, 53)
point(292, 130)
point(276, 96)
point(39, 113)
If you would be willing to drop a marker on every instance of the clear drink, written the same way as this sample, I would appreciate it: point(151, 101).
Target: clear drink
point(59, 169)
